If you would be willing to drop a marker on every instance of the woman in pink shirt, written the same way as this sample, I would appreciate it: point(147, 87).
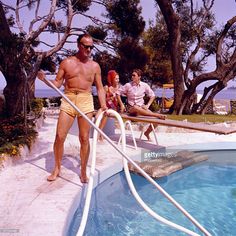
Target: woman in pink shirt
point(135, 92)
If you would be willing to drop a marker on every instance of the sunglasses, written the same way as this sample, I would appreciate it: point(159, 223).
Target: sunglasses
point(87, 46)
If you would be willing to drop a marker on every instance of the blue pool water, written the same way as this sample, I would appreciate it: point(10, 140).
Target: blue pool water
point(206, 190)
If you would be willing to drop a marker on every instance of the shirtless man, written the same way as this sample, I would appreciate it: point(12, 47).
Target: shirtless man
point(77, 74)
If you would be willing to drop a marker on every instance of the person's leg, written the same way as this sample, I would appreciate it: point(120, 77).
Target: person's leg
point(102, 123)
point(84, 128)
point(132, 111)
point(101, 126)
point(140, 111)
point(64, 123)
point(149, 130)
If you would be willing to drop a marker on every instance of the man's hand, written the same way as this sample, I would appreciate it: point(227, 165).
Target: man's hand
point(104, 108)
point(122, 109)
point(41, 75)
point(145, 107)
point(162, 117)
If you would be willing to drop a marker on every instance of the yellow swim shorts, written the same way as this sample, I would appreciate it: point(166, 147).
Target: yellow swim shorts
point(84, 101)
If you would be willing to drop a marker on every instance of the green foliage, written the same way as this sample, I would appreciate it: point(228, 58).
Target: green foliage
point(107, 62)
point(14, 134)
point(11, 21)
point(124, 31)
point(37, 106)
point(55, 26)
point(132, 56)
point(155, 41)
point(98, 33)
point(154, 106)
point(78, 5)
point(159, 71)
point(48, 63)
point(126, 15)
point(12, 46)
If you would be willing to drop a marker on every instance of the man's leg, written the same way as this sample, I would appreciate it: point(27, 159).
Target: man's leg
point(84, 128)
point(149, 130)
point(140, 111)
point(64, 123)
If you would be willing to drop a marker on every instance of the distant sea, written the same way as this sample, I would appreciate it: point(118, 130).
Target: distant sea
point(227, 94)
point(224, 94)
point(42, 93)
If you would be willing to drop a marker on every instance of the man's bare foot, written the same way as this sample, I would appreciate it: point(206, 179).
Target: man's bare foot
point(100, 138)
point(53, 176)
point(147, 134)
point(84, 179)
point(162, 117)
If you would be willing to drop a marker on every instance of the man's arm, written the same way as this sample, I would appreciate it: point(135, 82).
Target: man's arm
point(100, 89)
point(149, 92)
point(58, 81)
point(146, 106)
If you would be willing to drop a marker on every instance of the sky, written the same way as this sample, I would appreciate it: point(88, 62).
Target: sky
point(224, 10)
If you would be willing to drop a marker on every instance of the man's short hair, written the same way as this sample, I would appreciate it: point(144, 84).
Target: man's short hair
point(85, 35)
point(138, 71)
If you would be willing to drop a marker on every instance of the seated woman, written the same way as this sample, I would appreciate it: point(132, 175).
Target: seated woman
point(113, 101)
point(135, 92)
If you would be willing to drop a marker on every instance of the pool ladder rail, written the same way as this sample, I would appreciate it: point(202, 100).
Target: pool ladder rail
point(127, 173)
point(129, 125)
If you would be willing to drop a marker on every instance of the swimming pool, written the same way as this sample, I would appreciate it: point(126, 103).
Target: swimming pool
point(206, 190)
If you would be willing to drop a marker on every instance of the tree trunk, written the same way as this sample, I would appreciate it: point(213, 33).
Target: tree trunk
point(14, 96)
point(173, 24)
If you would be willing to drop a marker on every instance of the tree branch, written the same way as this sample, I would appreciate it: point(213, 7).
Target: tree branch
point(60, 44)
point(34, 34)
point(190, 61)
point(219, 50)
point(37, 9)
point(20, 26)
point(37, 18)
point(95, 20)
point(205, 3)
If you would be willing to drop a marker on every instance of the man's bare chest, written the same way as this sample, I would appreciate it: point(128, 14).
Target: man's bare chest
point(80, 71)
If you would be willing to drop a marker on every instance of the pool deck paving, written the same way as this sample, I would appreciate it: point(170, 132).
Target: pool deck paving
point(30, 205)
